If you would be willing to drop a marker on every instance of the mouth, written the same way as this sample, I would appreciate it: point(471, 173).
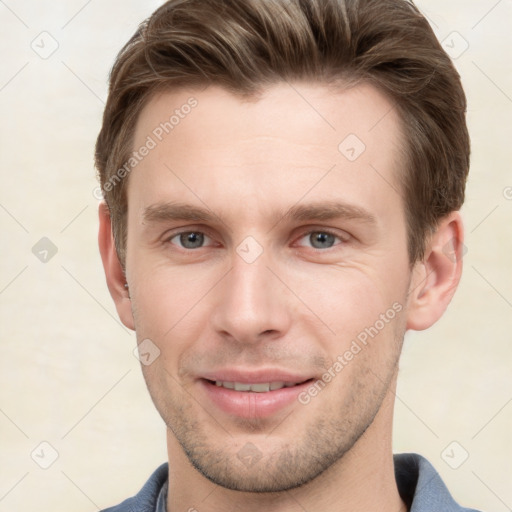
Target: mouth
point(259, 387)
point(252, 400)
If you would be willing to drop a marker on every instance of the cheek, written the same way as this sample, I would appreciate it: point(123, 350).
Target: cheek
point(170, 301)
point(347, 299)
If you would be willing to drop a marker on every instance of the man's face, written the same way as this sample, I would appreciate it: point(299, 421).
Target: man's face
point(261, 250)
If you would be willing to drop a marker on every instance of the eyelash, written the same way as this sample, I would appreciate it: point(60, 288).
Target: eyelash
point(325, 232)
point(342, 240)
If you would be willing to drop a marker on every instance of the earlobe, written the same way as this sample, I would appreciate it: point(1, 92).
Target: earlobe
point(435, 279)
point(114, 273)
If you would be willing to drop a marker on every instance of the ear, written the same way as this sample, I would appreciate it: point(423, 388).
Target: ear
point(435, 279)
point(114, 272)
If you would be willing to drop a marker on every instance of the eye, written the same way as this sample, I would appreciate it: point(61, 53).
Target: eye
point(319, 239)
point(189, 239)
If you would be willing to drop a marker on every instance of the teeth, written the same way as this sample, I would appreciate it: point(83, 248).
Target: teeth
point(242, 387)
point(262, 387)
point(258, 388)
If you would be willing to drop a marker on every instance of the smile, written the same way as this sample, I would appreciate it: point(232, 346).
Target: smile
point(262, 387)
point(252, 399)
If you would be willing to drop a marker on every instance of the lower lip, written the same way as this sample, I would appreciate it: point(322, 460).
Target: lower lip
point(249, 404)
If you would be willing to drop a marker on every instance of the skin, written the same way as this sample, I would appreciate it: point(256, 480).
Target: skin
point(296, 307)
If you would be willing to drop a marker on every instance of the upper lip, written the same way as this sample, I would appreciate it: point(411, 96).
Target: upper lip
point(252, 376)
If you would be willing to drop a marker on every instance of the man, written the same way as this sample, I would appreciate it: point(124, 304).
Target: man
point(282, 183)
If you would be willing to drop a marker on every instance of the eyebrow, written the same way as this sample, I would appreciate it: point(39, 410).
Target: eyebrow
point(330, 210)
point(165, 212)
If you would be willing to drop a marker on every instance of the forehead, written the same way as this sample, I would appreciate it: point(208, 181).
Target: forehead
point(295, 139)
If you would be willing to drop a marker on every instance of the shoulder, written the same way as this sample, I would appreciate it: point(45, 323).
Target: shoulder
point(145, 500)
point(421, 487)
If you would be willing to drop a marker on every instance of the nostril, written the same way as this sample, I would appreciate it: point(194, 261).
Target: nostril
point(268, 331)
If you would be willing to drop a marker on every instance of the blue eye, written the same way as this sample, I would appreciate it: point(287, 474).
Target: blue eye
point(190, 239)
point(320, 239)
point(195, 240)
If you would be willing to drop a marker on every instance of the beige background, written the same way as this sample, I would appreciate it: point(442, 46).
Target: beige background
point(68, 374)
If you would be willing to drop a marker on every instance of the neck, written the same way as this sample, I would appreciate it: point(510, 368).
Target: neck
point(362, 480)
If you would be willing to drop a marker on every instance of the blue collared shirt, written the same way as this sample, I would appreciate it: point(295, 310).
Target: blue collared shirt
point(419, 485)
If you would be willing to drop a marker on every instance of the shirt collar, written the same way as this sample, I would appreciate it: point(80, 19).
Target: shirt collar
point(161, 502)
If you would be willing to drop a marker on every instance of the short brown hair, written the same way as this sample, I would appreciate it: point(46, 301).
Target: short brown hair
point(248, 45)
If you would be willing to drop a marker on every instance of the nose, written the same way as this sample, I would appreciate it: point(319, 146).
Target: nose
point(251, 305)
